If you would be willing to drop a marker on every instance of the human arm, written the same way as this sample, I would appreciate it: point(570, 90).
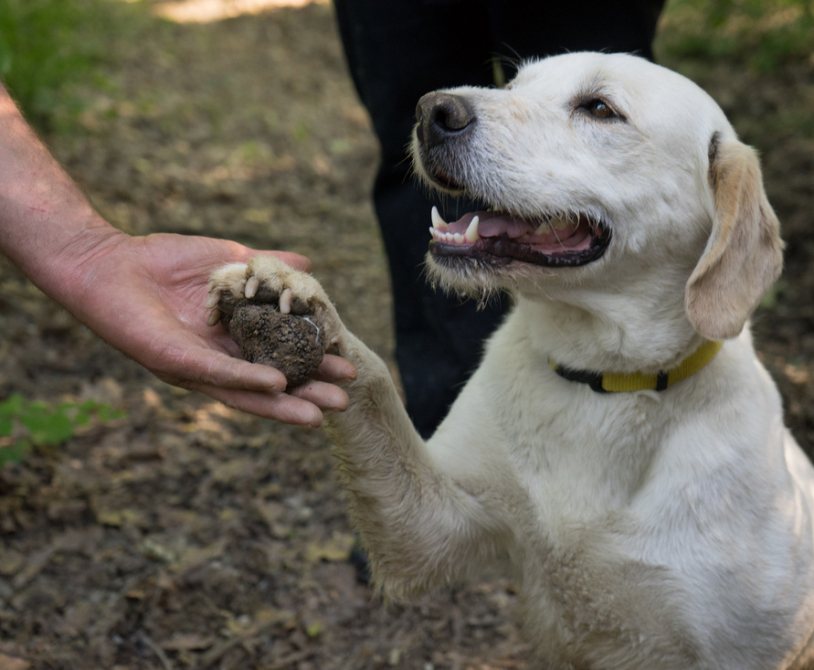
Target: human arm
point(144, 295)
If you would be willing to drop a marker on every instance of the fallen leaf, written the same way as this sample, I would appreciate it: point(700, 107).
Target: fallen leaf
point(271, 615)
point(230, 471)
point(152, 549)
point(10, 562)
point(118, 517)
point(11, 663)
point(315, 630)
point(196, 556)
point(260, 216)
point(336, 549)
point(271, 512)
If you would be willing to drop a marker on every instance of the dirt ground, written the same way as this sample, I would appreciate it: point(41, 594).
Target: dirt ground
point(188, 535)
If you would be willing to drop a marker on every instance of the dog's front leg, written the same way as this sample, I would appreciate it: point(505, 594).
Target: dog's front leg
point(420, 527)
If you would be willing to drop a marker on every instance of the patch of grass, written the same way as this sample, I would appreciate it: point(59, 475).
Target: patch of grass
point(24, 424)
point(762, 34)
point(48, 46)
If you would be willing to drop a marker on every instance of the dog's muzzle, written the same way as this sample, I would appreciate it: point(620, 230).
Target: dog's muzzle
point(446, 128)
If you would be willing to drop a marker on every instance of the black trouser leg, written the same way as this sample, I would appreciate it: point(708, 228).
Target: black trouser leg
point(398, 51)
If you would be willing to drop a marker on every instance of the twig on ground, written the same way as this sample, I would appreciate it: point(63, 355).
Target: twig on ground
point(158, 651)
point(289, 660)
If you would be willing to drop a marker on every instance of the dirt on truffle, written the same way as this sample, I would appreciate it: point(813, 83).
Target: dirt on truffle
point(189, 535)
point(287, 342)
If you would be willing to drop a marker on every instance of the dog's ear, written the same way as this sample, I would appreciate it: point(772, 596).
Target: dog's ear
point(744, 254)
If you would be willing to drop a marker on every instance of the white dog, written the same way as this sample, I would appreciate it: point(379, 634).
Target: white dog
point(631, 472)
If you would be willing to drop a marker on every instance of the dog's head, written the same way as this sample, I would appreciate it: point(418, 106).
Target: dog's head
point(598, 172)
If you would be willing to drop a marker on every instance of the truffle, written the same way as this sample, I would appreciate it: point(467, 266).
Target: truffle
point(288, 342)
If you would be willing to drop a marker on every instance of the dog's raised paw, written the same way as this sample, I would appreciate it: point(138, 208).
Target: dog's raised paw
point(270, 310)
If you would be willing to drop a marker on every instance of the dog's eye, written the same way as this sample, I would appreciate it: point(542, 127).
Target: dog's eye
point(599, 109)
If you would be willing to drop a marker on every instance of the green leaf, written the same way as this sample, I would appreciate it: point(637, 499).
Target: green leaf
point(48, 428)
point(81, 418)
point(89, 406)
point(15, 452)
point(107, 413)
point(12, 406)
point(47, 425)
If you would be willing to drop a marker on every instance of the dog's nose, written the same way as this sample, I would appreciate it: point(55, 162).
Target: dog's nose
point(441, 116)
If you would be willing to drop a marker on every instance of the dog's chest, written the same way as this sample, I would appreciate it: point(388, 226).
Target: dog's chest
point(584, 455)
point(581, 458)
point(581, 473)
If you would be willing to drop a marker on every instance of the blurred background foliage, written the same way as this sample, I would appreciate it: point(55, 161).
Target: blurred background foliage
point(48, 47)
point(762, 35)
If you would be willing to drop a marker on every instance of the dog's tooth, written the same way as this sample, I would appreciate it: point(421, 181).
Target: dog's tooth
point(458, 238)
point(437, 221)
point(560, 223)
point(543, 228)
point(471, 234)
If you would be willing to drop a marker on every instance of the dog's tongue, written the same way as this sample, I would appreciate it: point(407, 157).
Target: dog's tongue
point(555, 235)
point(492, 224)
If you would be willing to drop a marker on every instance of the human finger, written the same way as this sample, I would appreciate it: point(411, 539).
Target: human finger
point(296, 261)
point(274, 405)
point(217, 369)
point(335, 369)
point(323, 395)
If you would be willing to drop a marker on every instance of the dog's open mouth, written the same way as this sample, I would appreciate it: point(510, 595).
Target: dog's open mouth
point(499, 238)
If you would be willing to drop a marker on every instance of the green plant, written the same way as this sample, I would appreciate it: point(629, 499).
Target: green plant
point(47, 46)
point(763, 34)
point(24, 423)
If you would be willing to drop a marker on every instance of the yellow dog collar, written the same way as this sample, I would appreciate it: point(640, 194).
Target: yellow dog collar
point(615, 382)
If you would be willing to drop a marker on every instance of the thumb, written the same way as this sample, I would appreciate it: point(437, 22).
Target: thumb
point(296, 261)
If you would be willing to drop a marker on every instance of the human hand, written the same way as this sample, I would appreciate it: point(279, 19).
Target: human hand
point(146, 296)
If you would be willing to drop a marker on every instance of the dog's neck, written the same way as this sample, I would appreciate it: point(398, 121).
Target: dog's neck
point(608, 332)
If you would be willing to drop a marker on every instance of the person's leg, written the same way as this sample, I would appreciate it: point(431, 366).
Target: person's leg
point(523, 29)
point(397, 51)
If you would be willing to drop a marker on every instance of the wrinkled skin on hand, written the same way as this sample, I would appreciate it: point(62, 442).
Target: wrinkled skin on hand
point(146, 296)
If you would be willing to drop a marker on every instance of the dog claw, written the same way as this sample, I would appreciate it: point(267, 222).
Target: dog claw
point(285, 300)
point(252, 284)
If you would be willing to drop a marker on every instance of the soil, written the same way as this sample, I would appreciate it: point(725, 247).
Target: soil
point(188, 535)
